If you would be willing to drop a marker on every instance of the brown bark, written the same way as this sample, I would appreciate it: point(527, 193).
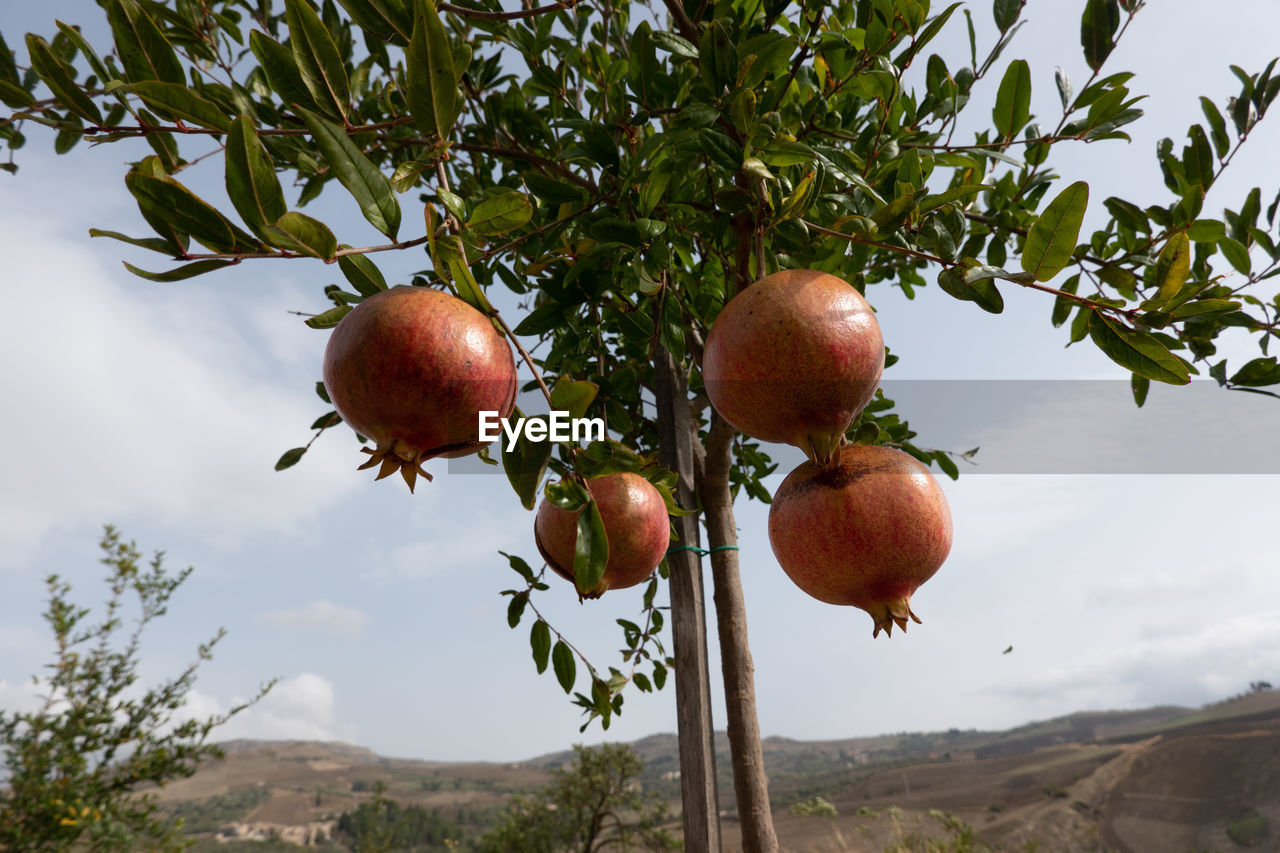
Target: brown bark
point(750, 783)
point(699, 796)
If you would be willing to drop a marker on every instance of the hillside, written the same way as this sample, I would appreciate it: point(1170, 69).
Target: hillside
point(1158, 779)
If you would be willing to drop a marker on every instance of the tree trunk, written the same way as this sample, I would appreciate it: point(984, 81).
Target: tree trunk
point(699, 798)
point(750, 784)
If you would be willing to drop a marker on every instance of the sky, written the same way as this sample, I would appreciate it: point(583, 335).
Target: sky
point(1127, 555)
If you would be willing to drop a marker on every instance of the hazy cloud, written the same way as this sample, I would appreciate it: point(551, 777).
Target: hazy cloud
point(318, 616)
point(300, 708)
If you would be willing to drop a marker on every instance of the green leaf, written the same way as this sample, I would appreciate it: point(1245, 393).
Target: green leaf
point(57, 76)
point(180, 102)
point(1052, 237)
point(946, 464)
point(86, 50)
point(15, 96)
point(1172, 267)
point(290, 458)
point(591, 550)
point(674, 44)
point(1138, 351)
point(1257, 373)
point(409, 173)
point(281, 70)
point(170, 201)
point(1061, 305)
point(1065, 91)
point(1127, 214)
point(643, 69)
point(363, 274)
point(251, 179)
point(370, 188)
point(1217, 127)
point(563, 664)
point(540, 643)
point(469, 290)
point(974, 284)
point(933, 202)
point(185, 271)
point(1098, 26)
point(1006, 13)
point(1140, 386)
point(501, 213)
point(330, 318)
point(1206, 231)
point(386, 19)
point(551, 190)
point(1013, 100)
point(144, 51)
point(317, 57)
point(430, 82)
point(526, 465)
point(1236, 254)
point(516, 608)
point(155, 244)
point(573, 397)
point(1203, 308)
point(299, 233)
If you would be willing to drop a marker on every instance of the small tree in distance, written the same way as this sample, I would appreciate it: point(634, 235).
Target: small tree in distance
point(594, 803)
point(75, 771)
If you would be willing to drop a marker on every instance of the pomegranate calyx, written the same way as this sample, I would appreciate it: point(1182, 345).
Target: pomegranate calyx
point(888, 613)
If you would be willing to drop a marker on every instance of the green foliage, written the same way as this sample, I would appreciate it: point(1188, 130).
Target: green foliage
point(1248, 830)
point(593, 803)
point(79, 766)
point(382, 825)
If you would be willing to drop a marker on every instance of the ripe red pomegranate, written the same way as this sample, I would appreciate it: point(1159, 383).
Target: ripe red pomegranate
point(411, 369)
point(866, 532)
point(635, 525)
point(794, 358)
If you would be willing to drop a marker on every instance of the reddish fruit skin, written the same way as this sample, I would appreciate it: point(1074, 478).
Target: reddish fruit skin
point(411, 368)
point(866, 533)
point(794, 358)
point(635, 524)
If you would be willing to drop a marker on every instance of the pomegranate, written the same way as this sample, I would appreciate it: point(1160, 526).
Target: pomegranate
point(635, 525)
point(411, 369)
point(794, 358)
point(866, 532)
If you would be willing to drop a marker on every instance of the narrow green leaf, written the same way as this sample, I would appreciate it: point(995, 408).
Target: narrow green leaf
point(540, 642)
point(1061, 305)
point(501, 213)
point(409, 173)
point(386, 19)
point(675, 45)
point(86, 50)
point(251, 179)
point(329, 319)
point(1201, 308)
point(144, 51)
point(15, 96)
point(563, 664)
point(1217, 127)
point(933, 202)
point(299, 233)
point(185, 271)
point(1052, 237)
point(516, 608)
point(573, 397)
point(1257, 373)
point(1137, 351)
point(975, 285)
point(1097, 31)
point(57, 76)
point(1065, 91)
point(1140, 385)
point(370, 188)
point(8, 67)
point(155, 244)
point(430, 81)
point(469, 290)
point(1172, 267)
point(1013, 100)
point(170, 201)
point(363, 274)
point(180, 102)
point(591, 550)
point(281, 70)
point(317, 56)
point(525, 465)
point(1236, 254)
point(290, 458)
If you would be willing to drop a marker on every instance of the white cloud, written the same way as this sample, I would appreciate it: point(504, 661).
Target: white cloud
point(132, 398)
point(319, 615)
point(301, 708)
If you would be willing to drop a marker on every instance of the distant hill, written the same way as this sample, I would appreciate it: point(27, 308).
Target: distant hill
point(1146, 781)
